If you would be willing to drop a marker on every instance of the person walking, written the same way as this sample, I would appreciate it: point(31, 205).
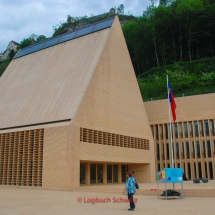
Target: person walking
point(130, 189)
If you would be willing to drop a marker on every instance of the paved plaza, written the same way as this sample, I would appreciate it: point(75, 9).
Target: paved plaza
point(36, 201)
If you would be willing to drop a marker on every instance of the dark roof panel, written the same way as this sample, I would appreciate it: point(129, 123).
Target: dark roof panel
point(85, 31)
point(51, 42)
point(23, 52)
point(65, 37)
point(36, 47)
point(103, 25)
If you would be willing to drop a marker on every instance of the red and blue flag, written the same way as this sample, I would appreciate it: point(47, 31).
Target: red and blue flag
point(172, 101)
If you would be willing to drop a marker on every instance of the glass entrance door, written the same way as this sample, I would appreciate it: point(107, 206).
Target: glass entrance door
point(115, 173)
point(109, 173)
point(82, 173)
point(92, 173)
point(99, 173)
point(124, 169)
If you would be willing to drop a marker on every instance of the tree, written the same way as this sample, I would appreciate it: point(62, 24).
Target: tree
point(11, 54)
point(26, 42)
point(40, 38)
point(120, 9)
point(186, 10)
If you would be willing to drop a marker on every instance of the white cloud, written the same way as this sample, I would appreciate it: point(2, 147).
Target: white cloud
point(20, 19)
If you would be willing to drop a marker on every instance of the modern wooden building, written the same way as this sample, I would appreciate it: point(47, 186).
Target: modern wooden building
point(71, 113)
point(193, 135)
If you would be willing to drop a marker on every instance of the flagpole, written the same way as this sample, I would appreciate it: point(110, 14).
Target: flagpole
point(170, 123)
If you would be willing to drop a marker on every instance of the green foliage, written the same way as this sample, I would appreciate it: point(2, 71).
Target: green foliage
point(185, 77)
point(76, 22)
point(24, 43)
point(175, 30)
point(120, 9)
point(40, 38)
point(12, 54)
point(3, 66)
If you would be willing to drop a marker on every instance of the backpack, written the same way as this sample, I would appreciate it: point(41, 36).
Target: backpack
point(136, 184)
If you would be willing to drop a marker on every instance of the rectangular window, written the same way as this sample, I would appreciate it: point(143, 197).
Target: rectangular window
point(189, 171)
point(115, 173)
point(167, 151)
point(209, 148)
point(200, 170)
point(211, 170)
point(123, 172)
point(188, 149)
point(158, 152)
point(191, 129)
point(82, 173)
point(202, 128)
point(176, 130)
point(196, 129)
point(198, 149)
point(203, 152)
point(181, 130)
point(206, 128)
point(100, 173)
point(206, 170)
point(92, 173)
point(156, 132)
point(161, 131)
point(182, 153)
point(193, 149)
point(212, 131)
point(166, 126)
point(177, 150)
point(195, 175)
point(186, 129)
point(109, 173)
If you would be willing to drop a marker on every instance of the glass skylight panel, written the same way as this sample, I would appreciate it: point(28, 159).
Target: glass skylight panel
point(36, 47)
point(51, 42)
point(23, 52)
point(66, 37)
point(84, 31)
point(103, 25)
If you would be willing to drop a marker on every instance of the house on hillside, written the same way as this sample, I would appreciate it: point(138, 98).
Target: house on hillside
point(11, 46)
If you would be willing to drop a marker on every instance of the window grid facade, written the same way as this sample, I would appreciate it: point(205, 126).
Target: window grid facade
point(21, 158)
point(193, 147)
point(105, 138)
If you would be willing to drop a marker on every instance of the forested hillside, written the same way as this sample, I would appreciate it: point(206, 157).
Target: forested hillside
point(176, 38)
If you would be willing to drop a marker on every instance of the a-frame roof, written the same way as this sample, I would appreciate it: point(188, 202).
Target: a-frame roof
point(98, 26)
point(48, 84)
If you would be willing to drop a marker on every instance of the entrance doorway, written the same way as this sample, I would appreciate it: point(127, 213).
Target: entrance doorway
point(112, 173)
point(94, 173)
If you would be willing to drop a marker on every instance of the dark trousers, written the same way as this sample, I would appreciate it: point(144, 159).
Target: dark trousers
point(131, 200)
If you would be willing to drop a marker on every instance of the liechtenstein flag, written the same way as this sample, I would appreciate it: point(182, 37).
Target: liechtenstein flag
point(172, 102)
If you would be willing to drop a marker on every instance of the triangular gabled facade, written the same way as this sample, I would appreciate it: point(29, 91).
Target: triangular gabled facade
point(81, 101)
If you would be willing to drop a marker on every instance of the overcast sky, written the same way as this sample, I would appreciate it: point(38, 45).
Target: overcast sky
point(21, 18)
